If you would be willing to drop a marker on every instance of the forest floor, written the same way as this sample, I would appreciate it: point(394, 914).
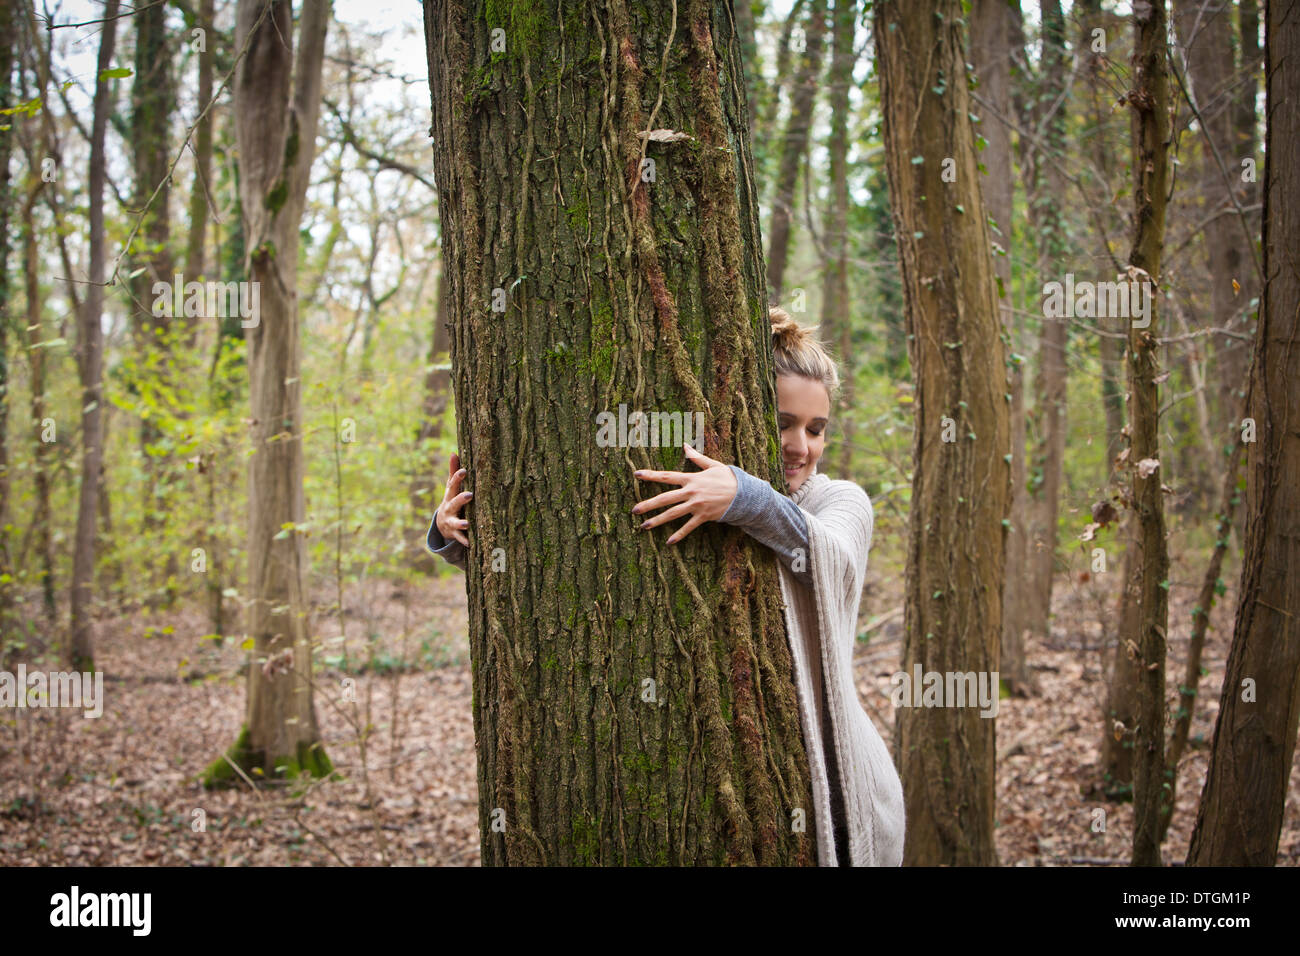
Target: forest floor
point(122, 789)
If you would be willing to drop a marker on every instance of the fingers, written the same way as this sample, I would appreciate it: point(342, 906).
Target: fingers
point(702, 460)
point(670, 515)
point(661, 501)
point(454, 482)
point(663, 477)
point(461, 538)
point(686, 529)
point(452, 506)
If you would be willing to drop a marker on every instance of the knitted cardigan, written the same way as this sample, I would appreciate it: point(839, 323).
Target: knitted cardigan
point(822, 622)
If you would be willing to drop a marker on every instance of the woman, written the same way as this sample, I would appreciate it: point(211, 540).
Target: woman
point(821, 535)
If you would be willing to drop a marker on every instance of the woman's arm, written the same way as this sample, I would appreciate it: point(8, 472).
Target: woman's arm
point(726, 493)
point(446, 535)
point(451, 550)
point(772, 519)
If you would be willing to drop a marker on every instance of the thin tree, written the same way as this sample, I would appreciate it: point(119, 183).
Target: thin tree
point(1239, 821)
point(276, 108)
point(90, 343)
point(1148, 581)
point(836, 322)
point(990, 31)
point(961, 470)
point(794, 144)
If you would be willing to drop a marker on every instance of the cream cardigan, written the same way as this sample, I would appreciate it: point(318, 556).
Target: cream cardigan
point(822, 623)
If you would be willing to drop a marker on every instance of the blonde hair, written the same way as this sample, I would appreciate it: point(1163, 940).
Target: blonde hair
point(796, 351)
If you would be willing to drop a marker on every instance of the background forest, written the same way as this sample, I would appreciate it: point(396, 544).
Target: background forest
point(127, 166)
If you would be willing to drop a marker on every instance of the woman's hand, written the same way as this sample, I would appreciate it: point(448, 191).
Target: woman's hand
point(450, 524)
point(704, 495)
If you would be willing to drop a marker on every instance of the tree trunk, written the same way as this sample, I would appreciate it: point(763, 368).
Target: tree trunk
point(749, 60)
point(437, 395)
point(90, 342)
point(1240, 817)
point(836, 315)
point(8, 33)
point(960, 488)
point(990, 30)
point(1047, 190)
point(152, 101)
point(39, 430)
point(1211, 585)
point(1149, 573)
point(634, 701)
point(794, 145)
point(195, 246)
point(1205, 31)
point(277, 104)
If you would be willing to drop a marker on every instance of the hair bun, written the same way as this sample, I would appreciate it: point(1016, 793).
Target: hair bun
point(786, 332)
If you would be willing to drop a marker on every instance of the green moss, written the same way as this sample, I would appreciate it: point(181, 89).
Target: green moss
point(310, 759)
point(586, 841)
point(278, 196)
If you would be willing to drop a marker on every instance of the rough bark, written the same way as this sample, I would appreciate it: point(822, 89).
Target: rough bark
point(836, 315)
point(794, 144)
point(960, 489)
point(1240, 817)
point(1149, 574)
point(616, 290)
point(990, 30)
point(277, 105)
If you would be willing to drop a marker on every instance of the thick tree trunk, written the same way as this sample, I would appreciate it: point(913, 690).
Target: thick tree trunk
point(794, 145)
point(633, 701)
point(836, 321)
point(990, 30)
point(960, 488)
point(1149, 580)
point(90, 343)
point(277, 104)
point(1240, 817)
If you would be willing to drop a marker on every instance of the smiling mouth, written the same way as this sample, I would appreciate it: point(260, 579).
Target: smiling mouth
point(792, 468)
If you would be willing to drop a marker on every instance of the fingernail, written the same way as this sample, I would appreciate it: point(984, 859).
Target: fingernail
point(636, 474)
point(672, 540)
point(646, 522)
point(470, 493)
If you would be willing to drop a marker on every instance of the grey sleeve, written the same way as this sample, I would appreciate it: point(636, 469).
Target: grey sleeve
point(450, 550)
point(771, 519)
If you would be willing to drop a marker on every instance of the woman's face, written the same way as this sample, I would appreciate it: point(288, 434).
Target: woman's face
point(803, 412)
